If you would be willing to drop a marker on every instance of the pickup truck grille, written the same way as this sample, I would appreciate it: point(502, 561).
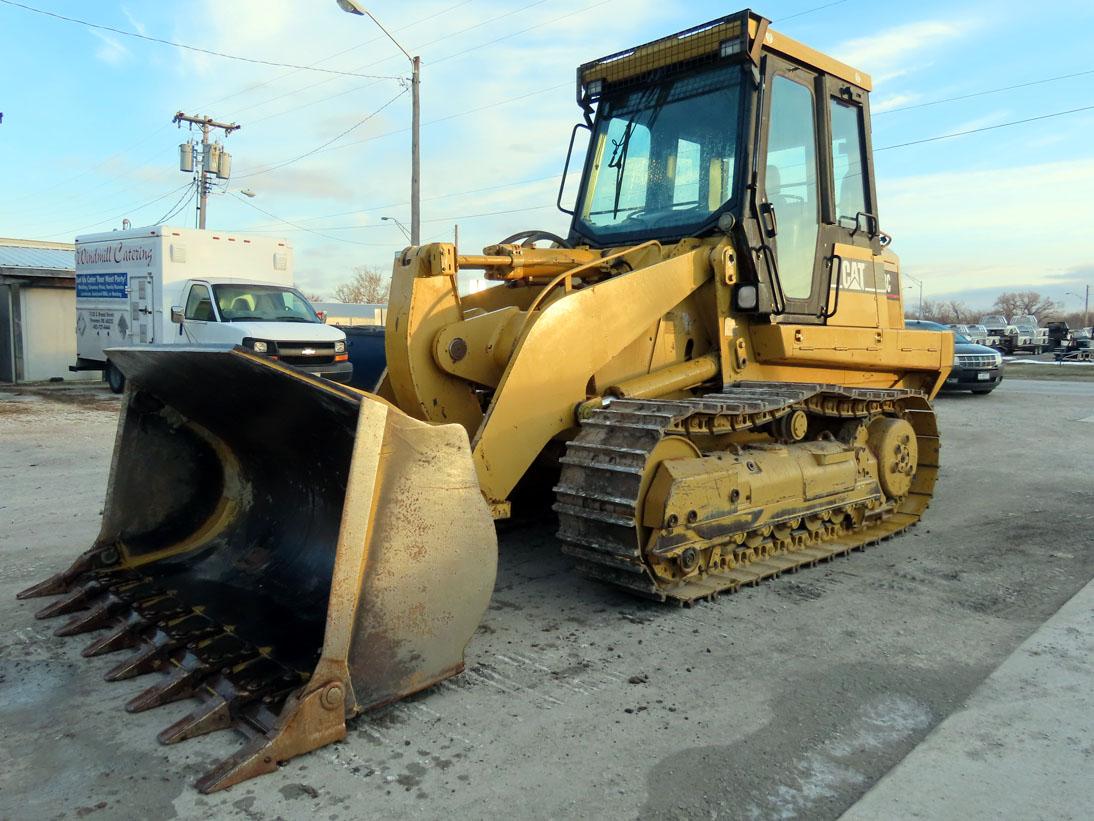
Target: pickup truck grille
point(306, 353)
point(976, 360)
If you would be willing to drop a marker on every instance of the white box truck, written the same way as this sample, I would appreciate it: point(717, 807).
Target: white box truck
point(166, 285)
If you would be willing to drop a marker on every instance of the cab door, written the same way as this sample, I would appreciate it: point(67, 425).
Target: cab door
point(861, 285)
point(790, 177)
point(199, 317)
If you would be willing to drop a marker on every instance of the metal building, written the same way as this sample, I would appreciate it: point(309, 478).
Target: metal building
point(37, 310)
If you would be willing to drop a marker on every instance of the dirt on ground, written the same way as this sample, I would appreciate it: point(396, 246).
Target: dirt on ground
point(788, 700)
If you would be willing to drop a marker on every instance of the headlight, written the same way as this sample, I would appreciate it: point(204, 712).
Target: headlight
point(259, 346)
point(340, 346)
point(998, 359)
point(956, 361)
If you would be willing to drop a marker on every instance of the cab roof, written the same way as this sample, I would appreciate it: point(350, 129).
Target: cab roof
point(726, 38)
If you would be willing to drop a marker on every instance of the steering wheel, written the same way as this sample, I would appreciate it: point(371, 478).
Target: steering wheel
point(641, 214)
point(792, 198)
point(529, 238)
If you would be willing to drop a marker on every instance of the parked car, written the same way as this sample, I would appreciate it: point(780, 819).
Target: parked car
point(977, 333)
point(1011, 337)
point(976, 368)
point(1027, 326)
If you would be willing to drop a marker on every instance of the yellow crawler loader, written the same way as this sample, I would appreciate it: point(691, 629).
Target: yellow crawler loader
point(712, 368)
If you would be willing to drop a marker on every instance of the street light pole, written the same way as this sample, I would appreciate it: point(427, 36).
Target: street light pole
point(1086, 305)
point(355, 7)
point(920, 283)
point(398, 224)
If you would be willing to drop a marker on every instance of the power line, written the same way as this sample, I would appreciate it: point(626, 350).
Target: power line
point(429, 199)
point(187, 47)
point(178, 206)
point(287, 74)
point(809, 11)
point(450, 218)
point(985, 128)
point(447, 117)
point(124, 213)
point(300, 227)
point(319, 148)
point(417, 48)
point(986, 91)
point(512, 34)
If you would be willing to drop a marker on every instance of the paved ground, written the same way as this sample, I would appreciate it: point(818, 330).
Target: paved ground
point(1023, 746)
point(790, 700)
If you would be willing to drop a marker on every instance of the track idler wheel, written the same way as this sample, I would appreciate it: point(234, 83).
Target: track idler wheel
point(893, 443)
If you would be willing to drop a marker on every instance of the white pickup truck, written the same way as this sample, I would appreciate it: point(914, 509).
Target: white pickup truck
point(166, 285)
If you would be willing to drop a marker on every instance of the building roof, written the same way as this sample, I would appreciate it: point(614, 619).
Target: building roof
point(31, 255)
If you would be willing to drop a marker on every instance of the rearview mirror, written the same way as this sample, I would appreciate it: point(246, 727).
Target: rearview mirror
point(566, 168)
point(176, 314)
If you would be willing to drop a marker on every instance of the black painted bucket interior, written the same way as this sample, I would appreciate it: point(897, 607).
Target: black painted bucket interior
point(222, 436)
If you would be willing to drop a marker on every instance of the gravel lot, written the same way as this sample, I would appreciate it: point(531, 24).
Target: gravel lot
point(784, 701)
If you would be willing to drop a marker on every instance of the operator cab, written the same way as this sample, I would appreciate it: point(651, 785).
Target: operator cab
point(729, 127)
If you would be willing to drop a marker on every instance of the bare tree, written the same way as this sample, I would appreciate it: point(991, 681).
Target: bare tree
point(1020, 303)
point(368, 286)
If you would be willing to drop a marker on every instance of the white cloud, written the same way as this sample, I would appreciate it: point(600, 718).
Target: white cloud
point(894, 101)
point(111, 51)
point(895, 51)
point(998, 227)
point(134, 22)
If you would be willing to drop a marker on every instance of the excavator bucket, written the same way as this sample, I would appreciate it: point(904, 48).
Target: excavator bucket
point(288, 551)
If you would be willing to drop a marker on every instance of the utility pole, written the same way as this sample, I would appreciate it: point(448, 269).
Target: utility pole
point(223, 165)
point(415, 151)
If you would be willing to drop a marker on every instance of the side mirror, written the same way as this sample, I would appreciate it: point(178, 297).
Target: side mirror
point(176, 314)
point(566, 169)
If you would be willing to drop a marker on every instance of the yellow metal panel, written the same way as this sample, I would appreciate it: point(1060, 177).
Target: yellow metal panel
point(573, 338)
point(773, 41)
point(421, 303)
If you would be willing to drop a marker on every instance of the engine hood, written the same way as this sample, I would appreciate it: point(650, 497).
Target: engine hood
point(289, 331)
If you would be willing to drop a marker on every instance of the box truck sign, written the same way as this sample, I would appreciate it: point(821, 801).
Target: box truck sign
point(102, 286)
point(111, 255)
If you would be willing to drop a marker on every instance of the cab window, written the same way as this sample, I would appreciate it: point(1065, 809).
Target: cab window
point(848, 164)
point(199, 305)
point(791, 184)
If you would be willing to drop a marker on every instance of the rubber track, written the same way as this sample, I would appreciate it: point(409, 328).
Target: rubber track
point(597, 495)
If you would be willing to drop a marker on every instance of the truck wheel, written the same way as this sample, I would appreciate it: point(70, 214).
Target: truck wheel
point(114, 378)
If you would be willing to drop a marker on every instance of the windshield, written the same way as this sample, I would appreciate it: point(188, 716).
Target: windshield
point(663, 157)
point(961, 338)
point(996, 321)
point(262, 303)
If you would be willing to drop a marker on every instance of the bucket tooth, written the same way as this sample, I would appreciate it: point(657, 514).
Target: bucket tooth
point(147, 660)
point(76, 600)
point(214, 715)
point(126, 637)
point(179, 684)
point(97, 618)
point(311, 718)
point(61, 582)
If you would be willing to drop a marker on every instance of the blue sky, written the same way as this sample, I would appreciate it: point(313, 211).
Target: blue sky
point(86, 137)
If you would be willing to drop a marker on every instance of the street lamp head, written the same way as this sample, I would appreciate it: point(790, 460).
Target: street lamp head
point(247, 192)
point(351, 6)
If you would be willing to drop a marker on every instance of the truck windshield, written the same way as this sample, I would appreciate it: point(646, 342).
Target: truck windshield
point(663, 157)
point(240, 302)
